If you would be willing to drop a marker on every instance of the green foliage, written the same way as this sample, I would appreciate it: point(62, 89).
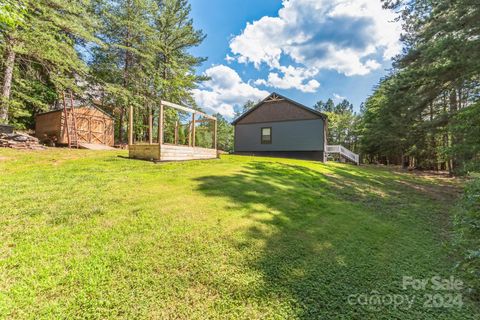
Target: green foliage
point(43, 47)
point(342, 123)
point(381, 128)
point(224, 134)
point(342, 129)
point(429, 108)
point(121, 62)
point(468, 233)
point(246, 106)
point(466, 126)
point(328, 106)
point(412, 114)
point(138, 53)
point(11, 14)
point(145, 56)
point(204, 136)
point(174, 65)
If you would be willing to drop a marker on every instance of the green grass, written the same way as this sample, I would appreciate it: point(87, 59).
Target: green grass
point(95, 235)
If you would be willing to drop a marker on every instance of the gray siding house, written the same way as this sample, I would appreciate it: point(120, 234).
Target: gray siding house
point(278, 126)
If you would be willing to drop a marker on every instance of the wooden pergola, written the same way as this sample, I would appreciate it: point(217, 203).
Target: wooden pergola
point(162, 151)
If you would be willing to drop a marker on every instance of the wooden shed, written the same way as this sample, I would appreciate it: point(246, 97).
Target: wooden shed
point(93, 126)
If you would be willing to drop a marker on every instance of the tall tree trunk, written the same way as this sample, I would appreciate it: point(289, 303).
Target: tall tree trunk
point(405, 161)
point(433, 155)
point(126, 75)
point(165, 76)
point(7, 78)
point(120, 124)
point(446, 164)
point(453, 111)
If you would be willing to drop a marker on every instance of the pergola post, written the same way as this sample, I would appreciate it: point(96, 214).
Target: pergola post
point(215, 134)
point(130, 125)
point(193, 129)
point(160, 125)
point(176, 132)
point(150, 126)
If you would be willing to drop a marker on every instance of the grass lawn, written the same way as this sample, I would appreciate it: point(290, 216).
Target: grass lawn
point(94, 235)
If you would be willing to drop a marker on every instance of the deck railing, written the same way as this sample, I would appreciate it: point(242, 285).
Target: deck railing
point(344, 152)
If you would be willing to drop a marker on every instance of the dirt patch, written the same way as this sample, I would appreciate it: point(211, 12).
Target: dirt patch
point(441, 192)
point(443, 188)
point(4, 158)
point(438, 185)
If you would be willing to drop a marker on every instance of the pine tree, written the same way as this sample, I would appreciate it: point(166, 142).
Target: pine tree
point(146, 56)
point(319, 106)
point(413, 113)
point(246, 107)
point(174, 65)
point(342, 123)
point(224, 134)
point(328, 106)
point(121, 65)
point(38, 43)
point(344, 107)
point(12, 14)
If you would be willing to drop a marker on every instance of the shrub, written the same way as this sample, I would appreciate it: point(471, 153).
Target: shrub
point(468, 234)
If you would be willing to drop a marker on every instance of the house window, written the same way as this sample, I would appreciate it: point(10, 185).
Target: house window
point(267, 135)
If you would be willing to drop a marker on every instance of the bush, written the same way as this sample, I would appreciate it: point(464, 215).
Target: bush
point(468, 234)
point(466, 131)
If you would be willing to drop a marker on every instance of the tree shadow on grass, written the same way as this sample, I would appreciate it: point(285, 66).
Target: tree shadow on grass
point(316, 239)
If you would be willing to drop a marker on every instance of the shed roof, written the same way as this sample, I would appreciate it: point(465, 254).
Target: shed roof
point(77, 107)
point(276, 95)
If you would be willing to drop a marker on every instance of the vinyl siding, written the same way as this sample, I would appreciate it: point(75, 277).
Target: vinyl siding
point(299, 135)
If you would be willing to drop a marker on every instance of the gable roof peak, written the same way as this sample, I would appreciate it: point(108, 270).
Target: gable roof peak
point(275, 97)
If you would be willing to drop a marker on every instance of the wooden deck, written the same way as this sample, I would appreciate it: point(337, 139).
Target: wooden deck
point(162, 151)
point(168, 152)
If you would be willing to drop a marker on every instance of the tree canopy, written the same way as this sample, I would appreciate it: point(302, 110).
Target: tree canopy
point(342, 123)
point(38, 40)
point(423, 113)
point(116, 54)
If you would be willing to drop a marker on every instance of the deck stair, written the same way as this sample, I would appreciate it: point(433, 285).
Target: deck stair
point(344, 152)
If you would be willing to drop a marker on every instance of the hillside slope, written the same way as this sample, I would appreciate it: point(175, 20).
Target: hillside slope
point(95, 235)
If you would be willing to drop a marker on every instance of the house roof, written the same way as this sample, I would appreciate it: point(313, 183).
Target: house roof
point(274, 94)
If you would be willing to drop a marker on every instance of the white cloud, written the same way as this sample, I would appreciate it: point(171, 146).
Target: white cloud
point(292, 78)
point(339, 35)
point(338, 98)
point(229, 59)
point(224, 91)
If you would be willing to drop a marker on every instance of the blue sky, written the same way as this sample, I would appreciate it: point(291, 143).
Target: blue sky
point(308, 50)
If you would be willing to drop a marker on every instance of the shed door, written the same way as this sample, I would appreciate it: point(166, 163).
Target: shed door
point(83, 131)
point(97, 130)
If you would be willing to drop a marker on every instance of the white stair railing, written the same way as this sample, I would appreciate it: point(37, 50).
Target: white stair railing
point(344, 152)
